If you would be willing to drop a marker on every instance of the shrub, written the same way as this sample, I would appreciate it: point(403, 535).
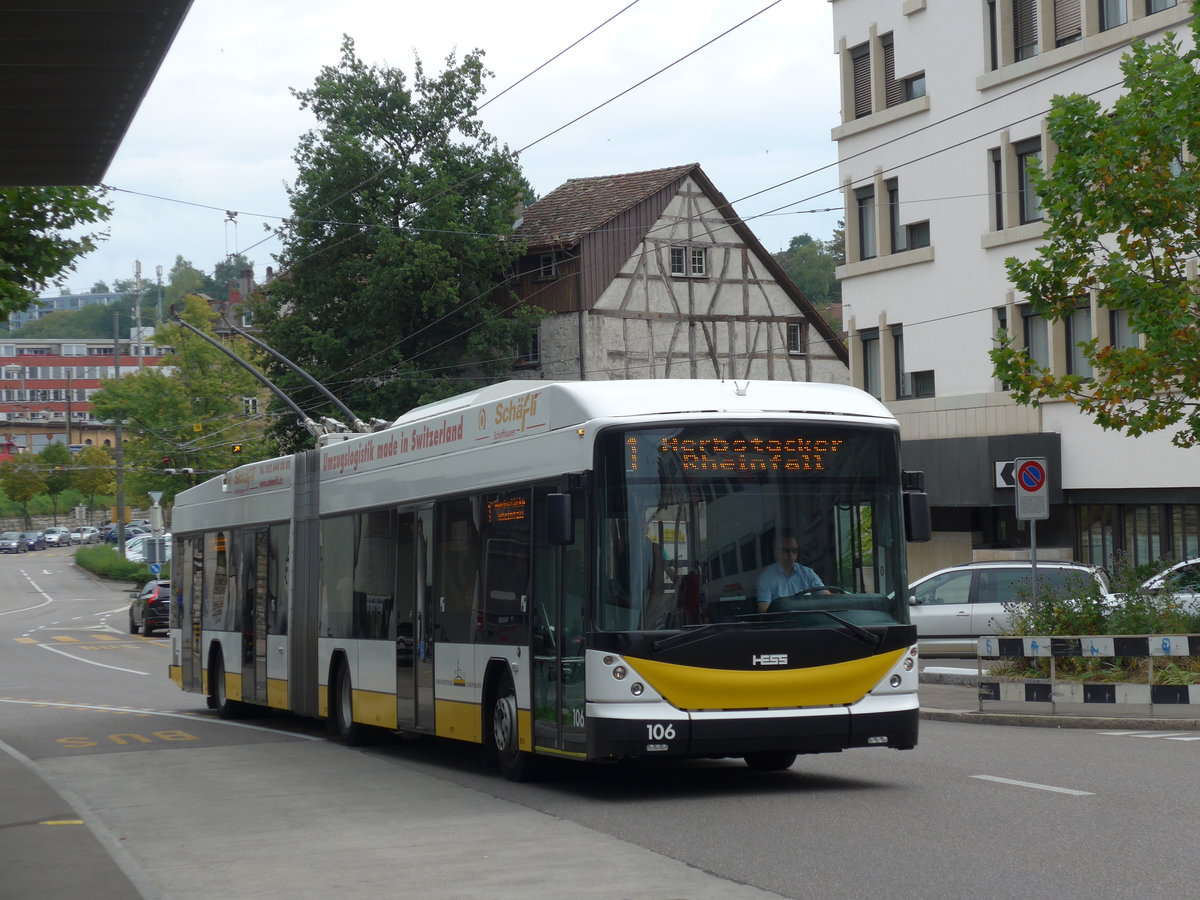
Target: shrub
point(106, 562)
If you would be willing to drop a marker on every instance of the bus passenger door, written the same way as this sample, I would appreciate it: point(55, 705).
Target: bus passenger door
point(189, 606)
point(254, 560)
point(414, 645)
point(557, 635)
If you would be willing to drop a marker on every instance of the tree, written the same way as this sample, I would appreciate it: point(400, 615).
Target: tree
point(22, 480)
point(56, 460)
point(225, 277)
point(811, 264)
point(391, 263)
point(100, 287)
point(1122, 226)
point(93, 473)
point(188, 413)
point(40, 238)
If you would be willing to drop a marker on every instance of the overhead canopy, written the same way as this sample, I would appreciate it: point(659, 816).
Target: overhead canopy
point(72, 75)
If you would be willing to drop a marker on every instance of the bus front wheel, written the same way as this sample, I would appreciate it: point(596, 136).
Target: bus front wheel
point(770, 760)
point(218, 699)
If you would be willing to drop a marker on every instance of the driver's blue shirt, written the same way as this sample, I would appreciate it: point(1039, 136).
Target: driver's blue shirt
point(773, 583)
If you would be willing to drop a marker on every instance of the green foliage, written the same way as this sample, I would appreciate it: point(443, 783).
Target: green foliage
point(105, 561)
point(187, 417)
point(391, 262)
point(94, 472)
point(1122, 226)
point(811, 263)
point(1080, 609)
point(40, 238)
point(22, 478)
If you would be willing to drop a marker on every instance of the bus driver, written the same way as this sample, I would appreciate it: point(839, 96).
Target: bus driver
point(787, 576)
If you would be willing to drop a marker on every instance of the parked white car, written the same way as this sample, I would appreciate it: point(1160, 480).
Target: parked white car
point(952, 608)
point(1181, 579)
point(85, 534)
point(135, 548)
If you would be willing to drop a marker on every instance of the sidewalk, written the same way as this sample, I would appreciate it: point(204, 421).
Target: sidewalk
point(952, 695)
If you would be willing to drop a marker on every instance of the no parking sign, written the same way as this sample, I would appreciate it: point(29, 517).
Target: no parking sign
point(1033, 488)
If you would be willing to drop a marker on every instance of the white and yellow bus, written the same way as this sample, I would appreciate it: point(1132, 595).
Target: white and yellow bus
point(567, 569)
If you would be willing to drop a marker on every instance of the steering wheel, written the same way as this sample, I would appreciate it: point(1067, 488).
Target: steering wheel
point(828, 588)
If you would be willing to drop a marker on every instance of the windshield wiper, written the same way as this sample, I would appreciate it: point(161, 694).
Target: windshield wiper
point(856, 631)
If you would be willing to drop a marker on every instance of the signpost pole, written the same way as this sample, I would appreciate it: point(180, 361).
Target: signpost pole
point(1033, 503)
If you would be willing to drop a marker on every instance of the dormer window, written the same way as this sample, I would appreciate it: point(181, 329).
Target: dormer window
point(689, 262)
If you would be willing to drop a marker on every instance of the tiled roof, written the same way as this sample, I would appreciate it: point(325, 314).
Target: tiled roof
point(581, 205)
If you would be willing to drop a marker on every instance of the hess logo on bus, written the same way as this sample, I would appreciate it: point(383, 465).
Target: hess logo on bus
point(769, 659)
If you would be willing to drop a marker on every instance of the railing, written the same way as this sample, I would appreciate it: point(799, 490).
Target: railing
point(1054, 690)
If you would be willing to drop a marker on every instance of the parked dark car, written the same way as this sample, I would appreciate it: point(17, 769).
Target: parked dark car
point(33, 540)
point(130, 531)
point(151, 608)
point(10, 542)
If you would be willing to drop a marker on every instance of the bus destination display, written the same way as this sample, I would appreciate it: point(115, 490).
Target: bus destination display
point(735, 455)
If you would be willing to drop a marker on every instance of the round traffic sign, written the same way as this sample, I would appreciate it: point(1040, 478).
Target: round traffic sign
point(1031, 476)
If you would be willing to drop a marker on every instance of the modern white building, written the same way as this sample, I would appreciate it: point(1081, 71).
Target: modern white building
point(943, 102)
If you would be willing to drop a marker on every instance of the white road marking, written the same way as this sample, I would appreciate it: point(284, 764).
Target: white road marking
point(1036, 787)
point(90, 662)
point(168, 715)
point(38, 590)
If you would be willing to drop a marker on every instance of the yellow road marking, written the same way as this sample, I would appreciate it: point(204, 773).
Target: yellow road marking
point(65, 639)
point(25, 640)
point(107, 637)
point(62, 822)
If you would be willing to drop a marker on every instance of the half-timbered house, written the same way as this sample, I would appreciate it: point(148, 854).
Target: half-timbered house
point(653, 275)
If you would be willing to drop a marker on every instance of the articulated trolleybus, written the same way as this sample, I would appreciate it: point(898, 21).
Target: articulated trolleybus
point(572, 570)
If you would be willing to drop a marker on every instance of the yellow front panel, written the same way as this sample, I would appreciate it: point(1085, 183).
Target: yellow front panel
point(692, 687)
point(323, 701)
point(373, 708)
point(459, 721)
point(277, 693)
point(176, 675)
point(524, 729)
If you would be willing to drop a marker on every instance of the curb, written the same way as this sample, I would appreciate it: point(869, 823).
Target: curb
point(1030, 720)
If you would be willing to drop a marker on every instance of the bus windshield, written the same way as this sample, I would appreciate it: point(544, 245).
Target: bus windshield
point(749, 523)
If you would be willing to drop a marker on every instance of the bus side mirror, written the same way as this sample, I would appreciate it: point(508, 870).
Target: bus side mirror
point(560, 520)
point(916, 516)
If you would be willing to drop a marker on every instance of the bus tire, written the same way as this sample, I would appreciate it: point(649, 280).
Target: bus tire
point(218, 699)
point(770, 760)
point(341, 708)
point(515, 763)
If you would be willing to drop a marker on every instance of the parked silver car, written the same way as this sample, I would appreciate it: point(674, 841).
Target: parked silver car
point(57, 536)
point(952, 608)
point(11, 542)
point(85, 534)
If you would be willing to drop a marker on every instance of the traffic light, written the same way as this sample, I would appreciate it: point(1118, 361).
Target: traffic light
point(237, 448)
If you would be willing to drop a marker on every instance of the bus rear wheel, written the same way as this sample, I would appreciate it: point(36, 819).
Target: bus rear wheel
point(218, 699)
point(516, 764)
point(341, 708)
point(770, 760)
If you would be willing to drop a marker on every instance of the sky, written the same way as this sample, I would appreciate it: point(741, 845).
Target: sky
point(204, 165)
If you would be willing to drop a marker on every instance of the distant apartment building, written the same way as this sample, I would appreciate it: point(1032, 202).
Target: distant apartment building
point(46, 387)
point(43, 306)
point(944, 105)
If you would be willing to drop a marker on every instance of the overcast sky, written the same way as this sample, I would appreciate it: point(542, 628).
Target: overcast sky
point(218, 128)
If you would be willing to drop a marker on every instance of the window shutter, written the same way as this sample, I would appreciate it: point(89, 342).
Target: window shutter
point(893, 90)
point(861, 62)
point(1025, 28)
point(1067, 21)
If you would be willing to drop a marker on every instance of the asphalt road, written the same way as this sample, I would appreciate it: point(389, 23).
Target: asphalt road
point(178, 804)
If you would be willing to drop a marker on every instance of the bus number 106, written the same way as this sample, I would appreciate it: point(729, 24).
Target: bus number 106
point(656, 731)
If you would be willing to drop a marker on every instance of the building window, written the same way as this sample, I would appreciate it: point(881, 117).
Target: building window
point(865, 201)
point(530, 351)
point(1079, 331)
point(904, 237)
point(1029, 154)
point(1025, 31)
point(547, 267)
point(250, 406)
point(893, 90)
point(1112, 14)
point(797, 338)
point(689, 262)
point(1153, 6)
point(1123, 335)
point(1068, 22)
point(997, 161)
point(872, 377)
point(860, 64)
point(1037, 338)
point(914, 86)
